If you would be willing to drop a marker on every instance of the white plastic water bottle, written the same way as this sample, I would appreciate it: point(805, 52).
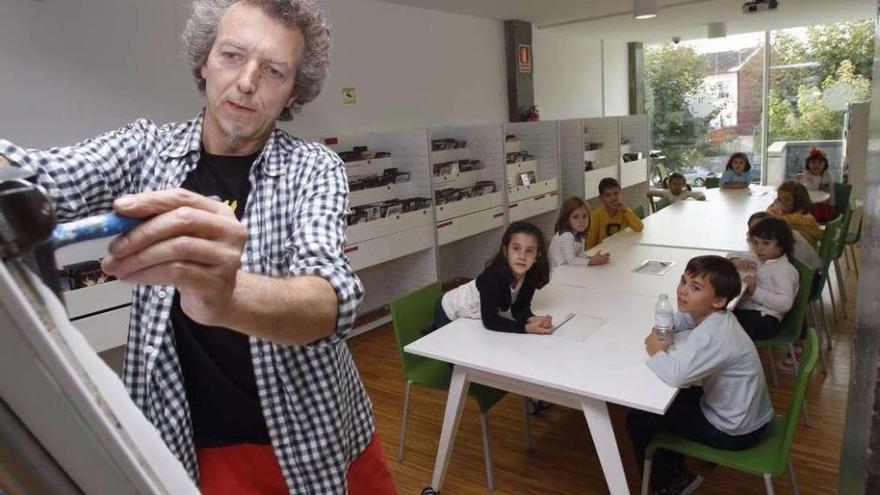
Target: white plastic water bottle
point(664, 318)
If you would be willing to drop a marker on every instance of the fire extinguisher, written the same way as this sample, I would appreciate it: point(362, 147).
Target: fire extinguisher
point(532, 114)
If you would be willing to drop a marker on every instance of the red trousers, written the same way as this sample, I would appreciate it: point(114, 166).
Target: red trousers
point(250, 469)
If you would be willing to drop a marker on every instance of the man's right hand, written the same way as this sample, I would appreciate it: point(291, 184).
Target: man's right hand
point(3, 161)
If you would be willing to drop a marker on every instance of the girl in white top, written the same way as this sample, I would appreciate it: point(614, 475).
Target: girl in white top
point(567, 245)
point(677, 190)
point(817, 177)
point(501, 296)
point(771, 281)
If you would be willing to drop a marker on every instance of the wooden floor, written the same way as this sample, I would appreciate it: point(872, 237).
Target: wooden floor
point(562, 460)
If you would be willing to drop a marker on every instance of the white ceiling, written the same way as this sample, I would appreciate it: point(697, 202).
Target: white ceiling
point(688, 19)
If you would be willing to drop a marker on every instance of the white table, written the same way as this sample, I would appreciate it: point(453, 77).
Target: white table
point(580, 366)
point(619, 273)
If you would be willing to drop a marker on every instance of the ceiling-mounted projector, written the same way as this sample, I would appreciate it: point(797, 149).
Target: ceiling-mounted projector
point(759, 6)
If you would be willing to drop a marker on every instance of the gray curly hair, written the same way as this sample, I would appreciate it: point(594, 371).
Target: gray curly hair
point(201, 31)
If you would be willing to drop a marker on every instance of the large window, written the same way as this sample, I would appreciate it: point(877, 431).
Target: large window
point(705, 97)
point(815, 73)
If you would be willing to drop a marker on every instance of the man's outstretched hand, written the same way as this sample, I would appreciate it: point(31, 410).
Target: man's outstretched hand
point(191, 241)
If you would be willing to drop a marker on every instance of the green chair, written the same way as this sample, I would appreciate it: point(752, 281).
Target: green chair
point(771, 456)
point(842, 193)
point(827, 248)
point(793, 323)
point(662, 173)
point(853, 238)
point(640, 212)
point(840, 249)
point(411, 315)
point(713, 182)
point(657, 203)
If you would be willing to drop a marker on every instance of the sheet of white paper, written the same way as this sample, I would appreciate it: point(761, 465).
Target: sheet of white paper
point(578, 328)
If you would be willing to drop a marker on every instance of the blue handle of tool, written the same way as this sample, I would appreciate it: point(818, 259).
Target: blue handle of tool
point(94, 227)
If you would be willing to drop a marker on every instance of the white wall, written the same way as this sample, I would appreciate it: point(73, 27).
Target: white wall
point(568, 77)
point(411, 68)
point(70, 70)
point(616, 78)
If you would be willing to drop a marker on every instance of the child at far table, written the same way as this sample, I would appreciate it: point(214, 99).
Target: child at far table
point(613, 216)
point(677, 190)
point(793, 205)
point(737, 173)
point(816, 177)
point(732, 408)
point(567, 245)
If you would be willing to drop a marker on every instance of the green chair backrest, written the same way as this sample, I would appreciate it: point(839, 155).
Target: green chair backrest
point(411, 316)
point(828, 248)
point(712, 182)
point(793, 322)
point(662, 172)
point(842, 193)
point(847, 218)
point(658, 204)
point(808, 364)
point(853, 237)
point(639, 211)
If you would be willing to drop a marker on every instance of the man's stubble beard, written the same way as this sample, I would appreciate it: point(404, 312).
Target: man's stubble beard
point(233, 135)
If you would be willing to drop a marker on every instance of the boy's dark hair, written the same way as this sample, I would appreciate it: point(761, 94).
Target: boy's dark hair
point(758, 215)
point(539, 274)
point(817, 155)
point(734, 157)
point(568, 207)
point(774, 229)
point(608, 183)
point(721, 272)
point(802, 202)
point(675, 175)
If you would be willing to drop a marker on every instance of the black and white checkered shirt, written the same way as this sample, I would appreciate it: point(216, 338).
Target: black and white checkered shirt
point(316, 409)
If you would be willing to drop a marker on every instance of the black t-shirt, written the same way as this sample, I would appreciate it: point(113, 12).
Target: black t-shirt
point(218, 373)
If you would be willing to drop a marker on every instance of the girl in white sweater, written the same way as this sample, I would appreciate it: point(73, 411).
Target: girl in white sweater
point(771, 282)
point(567, 246)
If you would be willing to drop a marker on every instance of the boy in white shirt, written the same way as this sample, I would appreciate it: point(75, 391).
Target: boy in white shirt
point(771, 280)
point(709, 346)
point(677, 190)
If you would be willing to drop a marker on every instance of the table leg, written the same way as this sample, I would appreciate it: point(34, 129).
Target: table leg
point(599, 422)
point(455, 402)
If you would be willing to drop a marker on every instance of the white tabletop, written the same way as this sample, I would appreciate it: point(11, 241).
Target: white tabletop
point(621, 274)
point(717, 224)
point(755, 197)
point(605, 363)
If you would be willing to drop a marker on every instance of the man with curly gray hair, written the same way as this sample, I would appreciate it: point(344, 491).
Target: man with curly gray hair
point(236, 349)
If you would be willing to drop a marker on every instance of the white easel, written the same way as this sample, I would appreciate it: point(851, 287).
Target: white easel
point(64, 405)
